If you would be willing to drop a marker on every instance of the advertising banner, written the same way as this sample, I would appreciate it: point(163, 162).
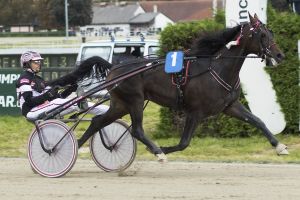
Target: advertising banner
point(54, 66)
point(8, 98)
point(256, 83)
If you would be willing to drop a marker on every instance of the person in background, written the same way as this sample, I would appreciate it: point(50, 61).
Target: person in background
point(36, 97)
point(136, 52)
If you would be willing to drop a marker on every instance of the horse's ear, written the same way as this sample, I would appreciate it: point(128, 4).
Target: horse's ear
point(252, 20)
point(255, 16)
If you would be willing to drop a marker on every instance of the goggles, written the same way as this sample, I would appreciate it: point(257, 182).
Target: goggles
point(37, 62)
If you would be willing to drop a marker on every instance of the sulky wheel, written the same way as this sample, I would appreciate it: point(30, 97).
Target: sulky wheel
point(115, 149)
point(61, 160)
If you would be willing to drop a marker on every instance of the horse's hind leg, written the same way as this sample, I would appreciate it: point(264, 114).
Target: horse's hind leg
point(101, 121)
point(237, 110)
point(136, 114)
point(191, 123)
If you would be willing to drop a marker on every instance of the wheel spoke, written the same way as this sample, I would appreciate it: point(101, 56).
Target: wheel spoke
point(121, 156)
point(64, 156)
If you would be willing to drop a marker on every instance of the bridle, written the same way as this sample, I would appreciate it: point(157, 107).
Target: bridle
point(255, 31)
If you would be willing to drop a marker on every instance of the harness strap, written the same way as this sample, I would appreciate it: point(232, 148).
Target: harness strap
point(180, 97)
point(179, 80)
point(225, 85)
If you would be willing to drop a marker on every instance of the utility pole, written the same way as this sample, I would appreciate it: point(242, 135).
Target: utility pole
point(66, 19)
point(215, 7)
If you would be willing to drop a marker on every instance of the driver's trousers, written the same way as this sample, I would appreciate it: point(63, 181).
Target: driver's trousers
point(34, 113)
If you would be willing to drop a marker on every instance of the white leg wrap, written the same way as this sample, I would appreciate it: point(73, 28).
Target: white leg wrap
point(162, 157)
point(281, 149)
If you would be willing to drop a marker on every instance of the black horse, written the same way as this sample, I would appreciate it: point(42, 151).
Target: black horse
point(212, 86)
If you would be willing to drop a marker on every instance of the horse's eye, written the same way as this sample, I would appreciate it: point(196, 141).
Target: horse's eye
point(263, 35)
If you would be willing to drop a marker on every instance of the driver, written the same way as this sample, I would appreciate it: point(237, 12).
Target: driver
point(36, 97)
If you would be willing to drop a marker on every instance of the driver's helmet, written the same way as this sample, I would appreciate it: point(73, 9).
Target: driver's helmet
point(27, 56)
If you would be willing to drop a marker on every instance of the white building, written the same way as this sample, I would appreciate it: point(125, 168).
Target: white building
point(124, 20)
point(148, 23)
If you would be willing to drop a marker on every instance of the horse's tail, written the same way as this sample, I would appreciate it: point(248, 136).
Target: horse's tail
point(82, 70)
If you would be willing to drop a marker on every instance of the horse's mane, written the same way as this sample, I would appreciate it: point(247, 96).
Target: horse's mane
point(82, 70)
point(211, 42)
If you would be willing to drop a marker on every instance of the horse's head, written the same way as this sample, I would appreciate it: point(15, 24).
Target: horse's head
point(262, 42)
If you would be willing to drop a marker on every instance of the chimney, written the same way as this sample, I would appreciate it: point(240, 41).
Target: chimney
point(103, 4)
point(155, 8)
point(123, 3)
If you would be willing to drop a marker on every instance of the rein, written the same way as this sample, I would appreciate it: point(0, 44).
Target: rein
point(264, 50)
point(189, 58)
point(253, 30)
point(195, 57)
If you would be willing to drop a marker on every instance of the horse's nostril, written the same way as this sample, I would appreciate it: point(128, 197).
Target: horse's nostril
point(280, 56)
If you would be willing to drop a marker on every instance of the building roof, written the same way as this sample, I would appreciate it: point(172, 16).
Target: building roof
point(143, 18)
point(177, 11)
point(188, 10)
point(113, 14)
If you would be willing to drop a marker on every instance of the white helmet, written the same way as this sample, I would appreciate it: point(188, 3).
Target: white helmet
point(27, 56)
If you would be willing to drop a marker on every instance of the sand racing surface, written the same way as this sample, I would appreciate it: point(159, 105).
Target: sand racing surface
point(151, 180)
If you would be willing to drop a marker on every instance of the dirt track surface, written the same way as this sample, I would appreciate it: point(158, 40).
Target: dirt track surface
point(151, 180)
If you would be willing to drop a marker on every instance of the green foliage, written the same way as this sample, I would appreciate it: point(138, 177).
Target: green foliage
point(46, 14)
point(80, 12)
point(250, 149)
point(169, 125)
point(172, 123)
point(15, 131)
point(181, 35)
point(220, 17)
point(284, 78)
point(17, 12)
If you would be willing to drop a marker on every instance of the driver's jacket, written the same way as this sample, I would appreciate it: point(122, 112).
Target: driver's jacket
point(31, 91)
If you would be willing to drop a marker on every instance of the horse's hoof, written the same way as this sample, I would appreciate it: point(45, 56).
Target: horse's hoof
point(281, 149)
point(161, 157)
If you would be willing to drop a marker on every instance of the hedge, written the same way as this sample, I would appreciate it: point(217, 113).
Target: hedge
point(284, 77)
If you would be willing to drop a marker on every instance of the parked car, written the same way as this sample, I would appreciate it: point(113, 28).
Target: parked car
point(115, 52)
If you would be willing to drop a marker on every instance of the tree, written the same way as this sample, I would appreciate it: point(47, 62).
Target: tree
point(13, 12)
point(280, 5)
point(45, 13)
point(46, 18)
point(79, 12)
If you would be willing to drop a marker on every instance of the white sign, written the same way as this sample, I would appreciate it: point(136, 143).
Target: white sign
point(8, 78)
point(8, 102)
point(256, 83)
point(237, 11)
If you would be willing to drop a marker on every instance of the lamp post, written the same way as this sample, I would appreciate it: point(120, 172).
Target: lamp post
point(215, 7)
point(66, 19)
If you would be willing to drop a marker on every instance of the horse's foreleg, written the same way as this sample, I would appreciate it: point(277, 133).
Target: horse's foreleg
point(191, 123)
point(237, 110)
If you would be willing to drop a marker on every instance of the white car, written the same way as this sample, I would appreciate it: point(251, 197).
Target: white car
point(115, 52)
